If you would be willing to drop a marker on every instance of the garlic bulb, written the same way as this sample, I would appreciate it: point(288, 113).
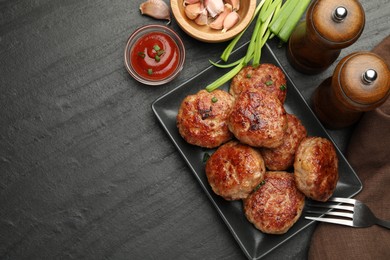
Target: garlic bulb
point(157, 9)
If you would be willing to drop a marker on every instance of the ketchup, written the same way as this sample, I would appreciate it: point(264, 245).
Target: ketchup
point(155, 56)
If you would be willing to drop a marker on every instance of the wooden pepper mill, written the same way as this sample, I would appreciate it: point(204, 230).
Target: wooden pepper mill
point(360, 82)
point(330, 26)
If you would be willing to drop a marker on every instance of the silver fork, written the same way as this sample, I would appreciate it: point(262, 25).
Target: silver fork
point(354, 213)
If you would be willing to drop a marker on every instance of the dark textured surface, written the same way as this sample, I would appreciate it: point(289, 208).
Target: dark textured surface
point(85, 169)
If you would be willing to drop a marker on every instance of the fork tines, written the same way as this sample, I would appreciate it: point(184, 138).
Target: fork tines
point(342, 214)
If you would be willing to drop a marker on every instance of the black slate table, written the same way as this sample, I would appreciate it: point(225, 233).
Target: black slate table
point(86, 171)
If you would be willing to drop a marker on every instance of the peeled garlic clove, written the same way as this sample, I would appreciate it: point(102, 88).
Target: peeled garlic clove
point(234, 3)
point(190, 2)
point(202, 18)
point(214, 7)
point(230, 20)
point(217, 24)
point(157, 9)
point(192, 11)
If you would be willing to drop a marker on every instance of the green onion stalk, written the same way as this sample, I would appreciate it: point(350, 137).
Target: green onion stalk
point(274, 18)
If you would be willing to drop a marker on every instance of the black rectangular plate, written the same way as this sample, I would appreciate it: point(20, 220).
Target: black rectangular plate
point(254, 243)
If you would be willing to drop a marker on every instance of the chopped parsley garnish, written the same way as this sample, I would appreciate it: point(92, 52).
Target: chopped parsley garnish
point(150, 71)
point(214, 99)
point(259, 185)
point(159, 52)
point(141, 54)
point(248, 76)
point(283, 87)
point(269, 82)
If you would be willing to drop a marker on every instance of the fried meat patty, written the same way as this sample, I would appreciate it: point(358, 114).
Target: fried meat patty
point(282, 157)
point(266, 76)
point(316, 168)
point(234, 170)
point(276, 205)
point(202, 118)
point(258, 119)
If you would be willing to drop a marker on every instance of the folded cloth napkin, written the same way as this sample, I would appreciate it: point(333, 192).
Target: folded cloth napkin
point(369, 154)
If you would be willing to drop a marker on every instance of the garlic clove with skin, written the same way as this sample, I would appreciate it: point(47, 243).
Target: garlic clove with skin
point(192, 11)
point(214, 7)
point(230, 20)
point(190, 2)
point(217, 24)
point(234, 3)
point(157, 9)
point(202, 18)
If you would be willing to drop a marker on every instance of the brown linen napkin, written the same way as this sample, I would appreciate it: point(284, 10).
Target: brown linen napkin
point(369, 154)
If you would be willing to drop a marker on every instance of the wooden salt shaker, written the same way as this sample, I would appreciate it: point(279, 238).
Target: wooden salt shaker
point(360, 82)
point(330, 26)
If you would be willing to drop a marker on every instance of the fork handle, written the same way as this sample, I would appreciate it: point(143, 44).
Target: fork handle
point(383, 223)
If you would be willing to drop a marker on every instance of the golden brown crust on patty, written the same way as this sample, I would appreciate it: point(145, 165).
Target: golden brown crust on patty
point(282, 157)
point(234, 170)
point(316, 168)
point(276, 205)
point(266, 76)
point(258, 119)
point(202, 118)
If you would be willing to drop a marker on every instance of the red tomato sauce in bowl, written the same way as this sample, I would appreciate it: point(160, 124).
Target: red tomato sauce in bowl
point(154, 55)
